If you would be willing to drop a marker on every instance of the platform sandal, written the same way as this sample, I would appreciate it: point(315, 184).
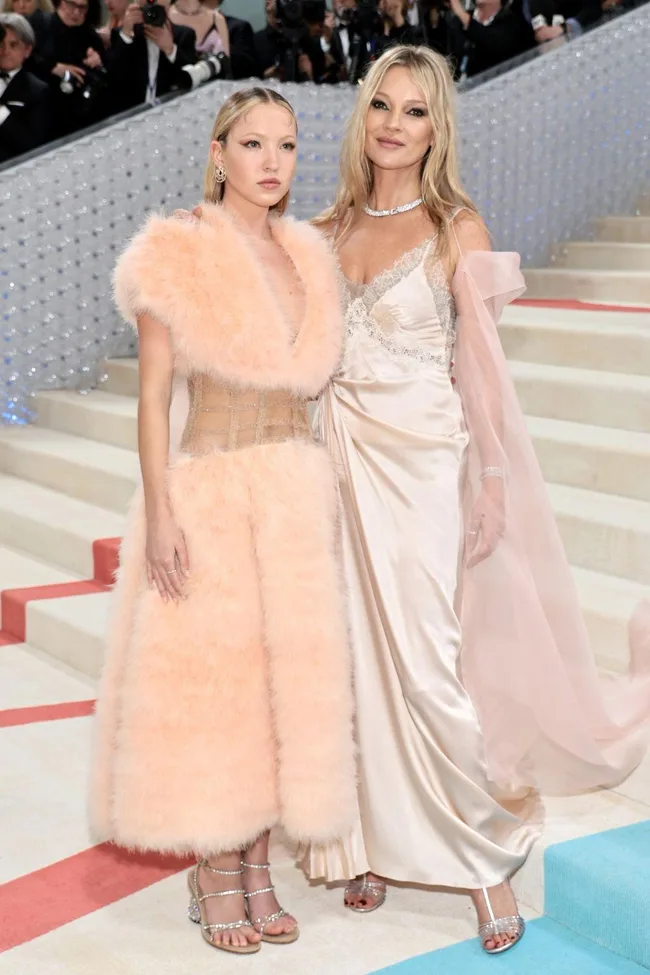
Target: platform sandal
point(512, 927)
point(196, 911)
point(260, 923)
point(362, 886)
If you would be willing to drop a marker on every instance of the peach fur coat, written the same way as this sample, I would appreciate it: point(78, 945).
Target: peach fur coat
point(231, 712)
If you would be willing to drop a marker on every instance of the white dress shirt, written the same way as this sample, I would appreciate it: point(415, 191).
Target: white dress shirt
point(5, 111)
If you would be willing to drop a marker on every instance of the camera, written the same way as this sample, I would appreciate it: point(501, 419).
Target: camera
point(365, 18)
point(207, 69)
point(153, 14)
point(296, 14)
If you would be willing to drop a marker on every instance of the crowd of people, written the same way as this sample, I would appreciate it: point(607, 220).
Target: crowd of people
point(67, 64)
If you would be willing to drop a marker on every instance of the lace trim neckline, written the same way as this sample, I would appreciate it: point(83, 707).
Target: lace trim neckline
point(400, 266)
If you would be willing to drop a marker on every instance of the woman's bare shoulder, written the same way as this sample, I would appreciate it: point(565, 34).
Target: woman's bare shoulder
point(470, 231)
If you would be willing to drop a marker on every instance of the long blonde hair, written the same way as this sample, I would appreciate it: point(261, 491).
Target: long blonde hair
point(441, 188)
point(230, 112)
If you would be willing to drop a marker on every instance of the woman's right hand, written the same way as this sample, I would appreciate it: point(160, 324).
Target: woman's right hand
point(168, 564)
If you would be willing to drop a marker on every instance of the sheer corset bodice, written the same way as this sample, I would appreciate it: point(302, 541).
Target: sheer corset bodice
point(223, 417)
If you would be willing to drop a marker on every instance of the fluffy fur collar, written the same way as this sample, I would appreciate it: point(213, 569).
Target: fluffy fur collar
point(203, 280)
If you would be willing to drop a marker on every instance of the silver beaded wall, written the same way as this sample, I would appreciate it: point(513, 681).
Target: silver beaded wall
point(545, 149)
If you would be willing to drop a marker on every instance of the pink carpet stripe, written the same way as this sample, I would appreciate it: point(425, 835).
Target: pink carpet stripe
point(14, 602)
point(40, 902)
point(45, 712)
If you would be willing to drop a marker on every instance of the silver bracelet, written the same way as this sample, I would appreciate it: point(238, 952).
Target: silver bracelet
point(491, 472)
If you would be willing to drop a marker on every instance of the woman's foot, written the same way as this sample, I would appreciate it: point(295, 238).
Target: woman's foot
point(265, 904)
point(228, 908)
point(365, 894)
point(504, 909)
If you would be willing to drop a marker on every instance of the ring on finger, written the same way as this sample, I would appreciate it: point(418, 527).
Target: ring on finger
point(170, 572)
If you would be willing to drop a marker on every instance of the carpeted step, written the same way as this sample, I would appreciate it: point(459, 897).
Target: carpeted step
point(547, 948)
point(599, 887)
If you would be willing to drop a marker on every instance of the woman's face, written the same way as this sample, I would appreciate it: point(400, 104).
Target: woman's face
point(73, 12)
point(259, 156)
point(24, 7)
point(399, 131)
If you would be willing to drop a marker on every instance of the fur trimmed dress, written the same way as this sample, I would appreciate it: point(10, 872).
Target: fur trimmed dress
point(230, 712)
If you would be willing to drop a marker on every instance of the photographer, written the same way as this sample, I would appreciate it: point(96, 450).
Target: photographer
point(24, 98)
point(69, 55)
point(289, 48)
point(147, 55)
point(492, 34)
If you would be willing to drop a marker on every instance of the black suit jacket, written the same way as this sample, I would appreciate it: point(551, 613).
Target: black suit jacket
point(242, 49)
point(29, 123)
point(486, 46)
point(128, 67)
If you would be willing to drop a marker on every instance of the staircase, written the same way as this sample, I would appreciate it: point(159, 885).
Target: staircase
point(583, 378)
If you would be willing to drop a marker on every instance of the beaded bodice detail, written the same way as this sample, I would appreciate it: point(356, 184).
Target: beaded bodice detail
point(408, 309)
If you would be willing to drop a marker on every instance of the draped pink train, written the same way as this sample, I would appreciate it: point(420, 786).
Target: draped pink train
point(550, 721)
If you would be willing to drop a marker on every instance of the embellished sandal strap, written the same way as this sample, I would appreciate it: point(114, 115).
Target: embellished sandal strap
point(222, 873)
point(256, 866)
point(268, 919)
point(220, 893)
point(230, 926)
point(262, 890)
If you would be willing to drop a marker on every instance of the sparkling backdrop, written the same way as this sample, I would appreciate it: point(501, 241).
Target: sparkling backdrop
point(544, 149)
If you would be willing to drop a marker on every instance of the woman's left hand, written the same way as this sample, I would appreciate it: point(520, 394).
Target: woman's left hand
point(487, 523)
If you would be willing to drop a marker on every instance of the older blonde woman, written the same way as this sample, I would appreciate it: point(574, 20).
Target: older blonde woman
point(475, 685)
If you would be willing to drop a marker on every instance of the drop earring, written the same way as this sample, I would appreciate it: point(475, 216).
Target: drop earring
point(220, 174)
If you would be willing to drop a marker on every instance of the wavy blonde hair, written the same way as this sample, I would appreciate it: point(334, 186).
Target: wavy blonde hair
point(441, 189)
point(230, 112)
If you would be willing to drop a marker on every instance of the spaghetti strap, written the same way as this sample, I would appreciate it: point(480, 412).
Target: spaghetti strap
point(452, 224)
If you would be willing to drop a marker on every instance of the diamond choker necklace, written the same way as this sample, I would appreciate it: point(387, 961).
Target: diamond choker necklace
point(405, 207)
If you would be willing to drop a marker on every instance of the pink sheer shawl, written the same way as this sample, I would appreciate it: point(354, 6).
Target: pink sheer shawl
point(550, 721)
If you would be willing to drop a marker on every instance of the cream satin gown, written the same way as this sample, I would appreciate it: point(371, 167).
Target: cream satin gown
point(394, 424)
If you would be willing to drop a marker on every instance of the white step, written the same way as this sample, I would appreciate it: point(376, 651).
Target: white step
point(613, 341)
point(101, 416)
point(629, 287)
point(598, 255)
point(19, 571)
point(607, 605)
point(633, 230)
point(98, 473)
point(597, 458)
point(53, 527)
point(603, 532)
point(643, 206)
point(122, 377)
point(605, 399)
point(72, 630)
point(29, 678)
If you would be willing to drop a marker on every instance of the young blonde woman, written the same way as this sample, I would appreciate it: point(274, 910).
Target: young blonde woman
point(225, 706)
point(475, 686)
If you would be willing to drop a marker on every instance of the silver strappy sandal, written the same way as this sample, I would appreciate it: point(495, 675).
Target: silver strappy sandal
point(512, 927)
point(259, 924)
point(196, 911)
point(362, 886)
